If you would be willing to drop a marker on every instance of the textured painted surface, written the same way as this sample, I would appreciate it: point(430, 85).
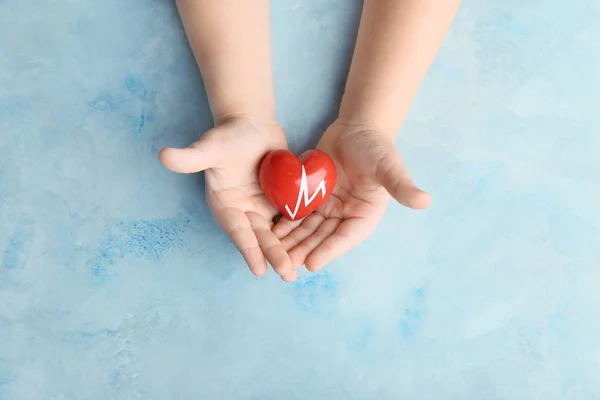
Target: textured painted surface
point(115, 282)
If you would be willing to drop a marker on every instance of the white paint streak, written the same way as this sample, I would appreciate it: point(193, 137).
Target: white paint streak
point(303, 192)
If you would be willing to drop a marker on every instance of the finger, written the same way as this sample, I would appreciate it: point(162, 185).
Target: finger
point(237, 225)
point(263, 206)
point(290, 277)
point(306, 228)
point(393, 176)
point(347, 235)
point(270, 245)
point(284, 227)
point(299, 253)
point(199, 156)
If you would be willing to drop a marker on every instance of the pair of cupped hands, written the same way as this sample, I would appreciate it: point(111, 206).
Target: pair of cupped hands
point(369, 171)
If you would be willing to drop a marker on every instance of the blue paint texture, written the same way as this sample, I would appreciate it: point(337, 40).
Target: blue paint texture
point(105, 102)
point(146, 239)
point(134, 85)
point(19, 245)
point(116, 283)
point(414, 314)
point(311, 292)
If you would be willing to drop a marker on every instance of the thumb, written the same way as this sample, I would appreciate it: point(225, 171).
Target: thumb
point(197, 157)
point(393, 176)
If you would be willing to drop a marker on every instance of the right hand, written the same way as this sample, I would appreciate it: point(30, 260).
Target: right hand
point(369, 171)
point(230, 156)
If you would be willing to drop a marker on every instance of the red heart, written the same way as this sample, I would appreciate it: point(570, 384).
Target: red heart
point(297, 186)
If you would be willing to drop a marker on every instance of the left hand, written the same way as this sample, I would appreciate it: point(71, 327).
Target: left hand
point(230, 154)
point(369, 170)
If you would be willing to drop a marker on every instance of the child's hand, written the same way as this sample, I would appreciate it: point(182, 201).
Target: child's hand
point(230, 155)
point(369, 167)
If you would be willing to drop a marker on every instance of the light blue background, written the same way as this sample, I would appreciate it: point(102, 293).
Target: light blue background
point(116, 283)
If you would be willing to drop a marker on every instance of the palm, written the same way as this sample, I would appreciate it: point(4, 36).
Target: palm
point(233, 181)
point(369, 168)
point(230, 155)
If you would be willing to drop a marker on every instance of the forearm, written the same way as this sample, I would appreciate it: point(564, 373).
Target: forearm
point(397, 42)
point(231, 43)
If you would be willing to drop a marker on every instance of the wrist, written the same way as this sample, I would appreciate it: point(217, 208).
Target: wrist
point(251, 122)
point(261, 111)
point(368, 123)
point(251, 100)
point(257, 104)
point(265, 119)
point(375, 115)
point(342, 129)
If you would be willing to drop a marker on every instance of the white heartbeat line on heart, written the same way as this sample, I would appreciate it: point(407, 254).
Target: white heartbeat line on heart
point(303, 192)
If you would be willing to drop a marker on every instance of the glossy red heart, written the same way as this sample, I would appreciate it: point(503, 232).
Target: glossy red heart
point(297, 186)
